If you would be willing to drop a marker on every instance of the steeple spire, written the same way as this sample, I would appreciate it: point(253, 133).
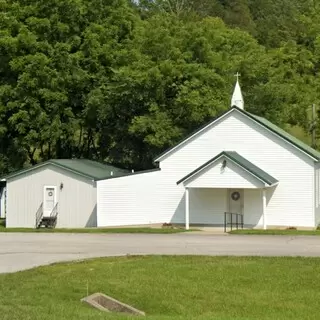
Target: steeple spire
point(237, 99)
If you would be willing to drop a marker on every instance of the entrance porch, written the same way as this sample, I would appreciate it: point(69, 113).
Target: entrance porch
point(207, 206)
point(227, 183)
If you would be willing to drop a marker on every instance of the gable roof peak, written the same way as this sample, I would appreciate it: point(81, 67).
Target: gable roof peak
point(238, 160)
point(90, 169)
point(282, 134)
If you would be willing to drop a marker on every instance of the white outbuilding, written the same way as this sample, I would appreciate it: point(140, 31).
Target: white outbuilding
point(56, 193)
point(238, 163)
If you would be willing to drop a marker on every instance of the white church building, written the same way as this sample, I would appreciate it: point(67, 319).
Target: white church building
point(238, 163)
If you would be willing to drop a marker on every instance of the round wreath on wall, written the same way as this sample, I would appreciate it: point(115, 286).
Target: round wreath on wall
point(235, 196)
point(50, 194)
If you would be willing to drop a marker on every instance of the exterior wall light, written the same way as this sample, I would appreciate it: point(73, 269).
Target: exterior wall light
point(224, 163)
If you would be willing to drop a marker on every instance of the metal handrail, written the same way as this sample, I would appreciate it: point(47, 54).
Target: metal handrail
point(238, 221)
point(39, 214)
point(54, 211)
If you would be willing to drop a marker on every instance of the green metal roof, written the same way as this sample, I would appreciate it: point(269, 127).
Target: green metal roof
point(239, 160)
point(246, 164)
point(265, 123)
point(90, 169)
point(132, 173)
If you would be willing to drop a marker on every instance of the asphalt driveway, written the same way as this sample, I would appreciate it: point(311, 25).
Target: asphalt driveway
point(19, 251)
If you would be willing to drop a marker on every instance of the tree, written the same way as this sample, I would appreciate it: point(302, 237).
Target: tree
point(278, 21)
point(182, 76)
point(235, 13)
point(290, 86)
point(55, 55)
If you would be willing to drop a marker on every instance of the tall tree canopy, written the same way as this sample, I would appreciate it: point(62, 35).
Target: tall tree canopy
point(119, 81)
point(55, 54)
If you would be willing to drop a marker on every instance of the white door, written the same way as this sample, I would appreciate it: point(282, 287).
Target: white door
point(235, 200)
point(49, 200)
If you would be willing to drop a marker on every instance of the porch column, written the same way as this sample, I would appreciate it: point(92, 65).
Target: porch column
point(187, 208)
point(264, 205)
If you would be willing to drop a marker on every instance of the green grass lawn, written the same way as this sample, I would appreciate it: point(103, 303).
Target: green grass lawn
point(96, 230)
point(181, 287)
point(277, 232)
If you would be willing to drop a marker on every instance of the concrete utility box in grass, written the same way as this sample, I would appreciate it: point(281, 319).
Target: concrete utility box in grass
point(105, 303)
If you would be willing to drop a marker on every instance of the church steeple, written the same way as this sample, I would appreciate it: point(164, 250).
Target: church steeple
point(237, 99)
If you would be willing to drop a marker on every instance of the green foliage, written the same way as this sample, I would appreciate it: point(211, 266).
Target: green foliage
point(187, 68)
point(120, 81)
point(164, 230)
point(290, 87)
point(57, 54)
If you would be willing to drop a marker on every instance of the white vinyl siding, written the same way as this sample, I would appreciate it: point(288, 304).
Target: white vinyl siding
point(232, 176)
point(317, 195)
point(76, 200)
point(130, 200)
point(206, 206)
point(253, 208)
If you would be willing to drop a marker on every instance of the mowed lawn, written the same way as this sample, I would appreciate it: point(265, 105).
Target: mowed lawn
point(165, 230)
point(96, 230)
point(168, 288)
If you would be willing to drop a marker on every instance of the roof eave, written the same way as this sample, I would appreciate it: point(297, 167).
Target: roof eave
point(226, 155)
point(22, 171)
point(129, 174)
point(162, 155)
point(202, 167)
point(277, 134)
point(74, 171)
point(257, 176)
point(49, 162)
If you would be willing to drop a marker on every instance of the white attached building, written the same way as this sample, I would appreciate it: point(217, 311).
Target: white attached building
point(62, 192)
point(238, 163)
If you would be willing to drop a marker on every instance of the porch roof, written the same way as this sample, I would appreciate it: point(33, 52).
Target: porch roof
point(239, 161)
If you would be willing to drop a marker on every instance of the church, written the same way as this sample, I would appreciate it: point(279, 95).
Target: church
point(238, 163)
